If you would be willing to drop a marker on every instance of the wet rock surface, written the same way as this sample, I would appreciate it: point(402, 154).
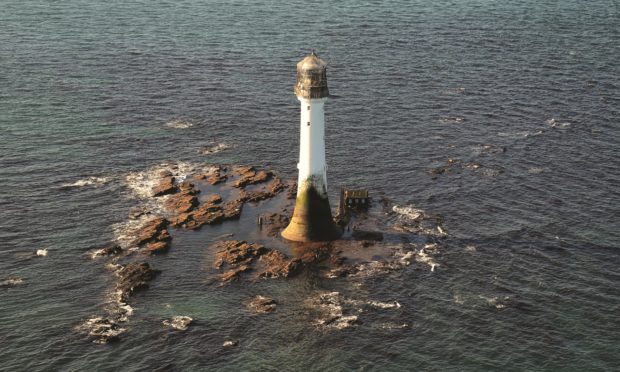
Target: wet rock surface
point(234, 252)
point(101, 330)
point(278, 265)
point(165, 186)
point(178, 322)
point(230, 343)
point(336, 311)
point(109, 250)
point(214, 195)
point(153, 230)
point(133, 277)
point(11, 282)
point(237, 257)
point(262, 304)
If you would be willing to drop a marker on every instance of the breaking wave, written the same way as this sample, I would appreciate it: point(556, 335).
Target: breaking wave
point(179, 124)
point(214, 148)
point(88, 181)
point(142, 183)
point(409, 212)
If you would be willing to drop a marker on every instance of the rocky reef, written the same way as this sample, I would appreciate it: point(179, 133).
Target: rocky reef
point(173, 198)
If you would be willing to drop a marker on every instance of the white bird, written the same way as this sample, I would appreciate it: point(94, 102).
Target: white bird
point(42, 252)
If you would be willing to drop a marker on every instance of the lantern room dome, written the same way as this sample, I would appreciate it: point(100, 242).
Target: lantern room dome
point(311, 78)
point(311, 62)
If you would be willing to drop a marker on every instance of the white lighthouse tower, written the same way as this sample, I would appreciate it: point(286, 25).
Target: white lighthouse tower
point(312, 219)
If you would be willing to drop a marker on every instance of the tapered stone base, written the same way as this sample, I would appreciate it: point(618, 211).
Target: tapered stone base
point(312, 219)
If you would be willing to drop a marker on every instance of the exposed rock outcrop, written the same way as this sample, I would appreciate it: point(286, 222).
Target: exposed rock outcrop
point(234, 252)
point(101, 330)
point(11, 282)
point(178, 322)
point(278, 265)
point(164, 187)
point(153, 229)
point(360, 234)
point(239, 256)
point(250, 176)
point(109, 250)
point(133, 277)
point(261, 304)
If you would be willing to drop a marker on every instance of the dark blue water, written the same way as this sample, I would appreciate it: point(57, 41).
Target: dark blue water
point(526, 93)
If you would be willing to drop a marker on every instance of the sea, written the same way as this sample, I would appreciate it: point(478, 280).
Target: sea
point(499, 117)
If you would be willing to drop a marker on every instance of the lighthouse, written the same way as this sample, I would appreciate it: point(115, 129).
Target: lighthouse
point(312, 218)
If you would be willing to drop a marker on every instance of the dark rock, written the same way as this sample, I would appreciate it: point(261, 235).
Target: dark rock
point(212, 199)
point(156, 247)
point(151, 231)
point(234, 252)
point(137, 212)
point(360, 234)
point(110, 250)
point(188, 188)
point(261, 304)
point(217, 177)
point(250, 177)
point(102, 330)
point(181, 203)
point(204, 216)
point(314, 252)
point(11, 282)
point(274, 223)
point(263, 194)
point(278, 265)
point(232, 210)
point(472, 166)
point(292, 191)
point(133, 277)
point(341, 272)
point(234, 273)
point(165, 186)
point(178, 322)
point(436, 172)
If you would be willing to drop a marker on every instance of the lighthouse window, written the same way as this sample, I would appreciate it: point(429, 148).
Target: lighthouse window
point(308, 123)
point(308, 108)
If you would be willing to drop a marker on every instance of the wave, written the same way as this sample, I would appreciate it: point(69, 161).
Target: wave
point(88, 181)
point(214, 148)
point(141, 183)
point(179, 124)
point(409, 212)
point(452, 119)
point(556, 124)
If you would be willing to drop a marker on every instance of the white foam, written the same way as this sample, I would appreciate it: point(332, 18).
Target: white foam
point(179, 124)
point(384, 305)
point(516, 135)
point(425, 258)
point(471, 248)
point(88, 181)
point(142, 183)
point(214, 148)
point(9, 282)
point(125, 232)
point(42, 252)
point(409, 212)
point(452, 119)
point(178, 322)
point(556, 124)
